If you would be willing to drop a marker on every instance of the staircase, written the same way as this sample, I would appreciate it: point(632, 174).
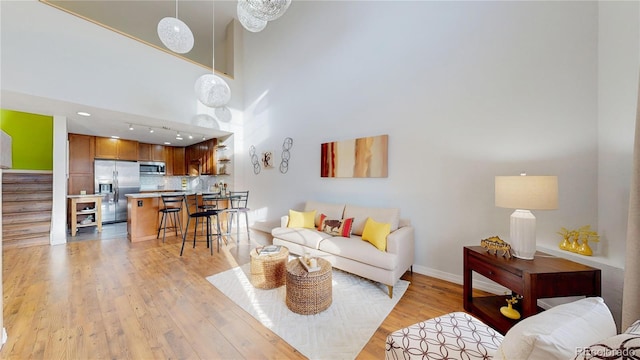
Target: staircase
point(27, 200)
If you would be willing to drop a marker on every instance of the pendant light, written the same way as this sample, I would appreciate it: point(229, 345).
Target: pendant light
point(249, 21)
point(267, 10)
point(175, 34)
point(211, 89)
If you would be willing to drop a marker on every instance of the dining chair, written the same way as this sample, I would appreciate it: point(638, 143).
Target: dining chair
point(172, 210)
point(238, 204)
point(196, 213)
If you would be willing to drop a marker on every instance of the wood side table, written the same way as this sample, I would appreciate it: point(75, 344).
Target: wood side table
point(546, 276)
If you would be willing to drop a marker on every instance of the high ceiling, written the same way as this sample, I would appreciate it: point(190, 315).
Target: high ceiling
point(139, 20)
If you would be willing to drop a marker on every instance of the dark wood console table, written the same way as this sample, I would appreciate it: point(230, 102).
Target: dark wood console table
point(546, 276)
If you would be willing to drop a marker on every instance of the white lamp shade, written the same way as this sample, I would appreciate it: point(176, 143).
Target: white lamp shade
point(249, 21)
point(212, 90)
point(175, 35)
point(267, 10)
point(527, 192)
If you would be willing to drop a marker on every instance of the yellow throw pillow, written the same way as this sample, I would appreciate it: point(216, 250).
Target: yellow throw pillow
point(298, 219)
point(376, 233)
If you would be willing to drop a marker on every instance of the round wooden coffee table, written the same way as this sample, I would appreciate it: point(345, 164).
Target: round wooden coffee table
point(268, 271)
point(308, 292)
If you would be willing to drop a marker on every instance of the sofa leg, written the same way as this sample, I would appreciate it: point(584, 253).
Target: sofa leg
point(390, 287)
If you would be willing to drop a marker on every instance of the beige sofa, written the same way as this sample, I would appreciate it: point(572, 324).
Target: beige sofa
point(352, 254)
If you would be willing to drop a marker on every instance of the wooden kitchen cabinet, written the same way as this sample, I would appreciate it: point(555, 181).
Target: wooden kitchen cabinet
point(151, 152)
point(158, 153)
point(144, 152)
point(168, 155)
point(81, 154)
point(179, 168)
point(117, 149)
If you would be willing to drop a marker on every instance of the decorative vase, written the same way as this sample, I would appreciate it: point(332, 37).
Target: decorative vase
point(565, 244)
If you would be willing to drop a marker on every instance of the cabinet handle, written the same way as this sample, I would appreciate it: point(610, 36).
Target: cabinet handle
point(490, 272)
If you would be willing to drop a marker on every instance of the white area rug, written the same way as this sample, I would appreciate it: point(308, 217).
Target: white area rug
point(359, 307)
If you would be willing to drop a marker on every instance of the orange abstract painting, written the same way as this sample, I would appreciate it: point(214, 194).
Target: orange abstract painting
point(358, 158)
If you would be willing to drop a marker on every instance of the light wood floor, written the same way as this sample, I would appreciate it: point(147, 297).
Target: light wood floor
point(109, 298)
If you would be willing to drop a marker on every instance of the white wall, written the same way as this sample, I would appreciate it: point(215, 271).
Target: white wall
point(466, 91)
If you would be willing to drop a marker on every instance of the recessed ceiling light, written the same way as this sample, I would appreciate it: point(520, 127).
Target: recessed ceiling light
point(167, 143)
point(83, 113)
point(151, 130)
point(130, 126)
point(115, 137)
point(190, 136)
point(178, 138)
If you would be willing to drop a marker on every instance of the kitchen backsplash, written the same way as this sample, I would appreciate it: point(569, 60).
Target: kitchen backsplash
point(196, 183)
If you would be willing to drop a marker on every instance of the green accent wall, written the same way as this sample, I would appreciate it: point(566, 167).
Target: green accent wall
point(31, 139)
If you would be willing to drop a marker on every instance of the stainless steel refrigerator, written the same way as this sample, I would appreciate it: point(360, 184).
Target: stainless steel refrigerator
point(113, 180)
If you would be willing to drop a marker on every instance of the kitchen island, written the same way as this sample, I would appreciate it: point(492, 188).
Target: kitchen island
point(143, 216)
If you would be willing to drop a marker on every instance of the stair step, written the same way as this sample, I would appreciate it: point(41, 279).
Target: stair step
point(25, 217)
point(10, 207)
point(26, 187)
point(34, 240)
point(14, 231)
point(28, 196)
point(23, 178)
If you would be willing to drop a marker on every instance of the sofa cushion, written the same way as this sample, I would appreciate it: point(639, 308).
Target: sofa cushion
point(376, 233)
point(355, 249)
point(303, 236)
point(335, 227)
point(333, 211)
point(299, 219)
point(623, 346)
point(557, 333)
point(360, 215)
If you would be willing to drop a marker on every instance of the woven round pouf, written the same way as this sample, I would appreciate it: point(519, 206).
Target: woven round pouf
point(268, 271)
point(308, 292)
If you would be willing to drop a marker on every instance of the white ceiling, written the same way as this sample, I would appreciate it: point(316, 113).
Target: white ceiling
point(138, 19)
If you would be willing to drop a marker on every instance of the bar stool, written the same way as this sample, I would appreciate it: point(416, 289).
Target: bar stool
point(172, 209)
point(192, 203)
point(210, 201)
point(238, 204)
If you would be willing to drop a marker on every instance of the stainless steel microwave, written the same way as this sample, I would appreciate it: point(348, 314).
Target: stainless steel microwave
point(152, 168)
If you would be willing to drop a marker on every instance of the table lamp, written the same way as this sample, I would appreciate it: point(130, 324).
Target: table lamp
point(524, 193)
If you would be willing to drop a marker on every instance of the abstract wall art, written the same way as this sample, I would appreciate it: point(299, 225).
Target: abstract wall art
point(357, 158)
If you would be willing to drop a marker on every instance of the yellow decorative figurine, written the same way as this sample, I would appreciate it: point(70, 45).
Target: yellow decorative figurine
point(566, 235)
point(509, 311)
point(587, 235)
point(577, 241)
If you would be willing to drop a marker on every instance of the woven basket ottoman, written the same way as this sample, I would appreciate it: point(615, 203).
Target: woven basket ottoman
point(308, 292)
point(268, 271)
point(455, 335)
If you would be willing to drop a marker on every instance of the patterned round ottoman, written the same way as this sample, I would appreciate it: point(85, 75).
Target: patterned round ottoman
point(268, 271)
point(308, 292)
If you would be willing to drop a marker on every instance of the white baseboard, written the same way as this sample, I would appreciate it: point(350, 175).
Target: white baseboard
point(478, 282)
